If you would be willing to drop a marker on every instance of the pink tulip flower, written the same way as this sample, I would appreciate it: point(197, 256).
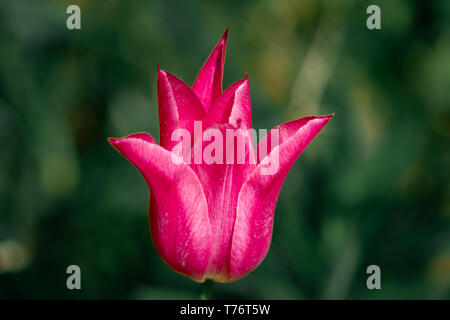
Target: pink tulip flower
point(213, 220)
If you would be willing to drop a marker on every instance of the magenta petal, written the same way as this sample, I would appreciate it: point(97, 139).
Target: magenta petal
point(233, 106)
point(178, 107)
point(221, 184)
point(179, 213)
point(258, 196)
point(221, 109)
point(208, 85)
point(241, 110)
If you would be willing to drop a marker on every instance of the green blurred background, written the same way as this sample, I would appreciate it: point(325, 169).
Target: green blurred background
point(372, 188)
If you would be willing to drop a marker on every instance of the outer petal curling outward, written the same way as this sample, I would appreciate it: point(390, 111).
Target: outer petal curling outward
point(232, 106)
point(257, 198)
point(178, 107)
point(221, 184)
point(179, 219)
point(208, 85)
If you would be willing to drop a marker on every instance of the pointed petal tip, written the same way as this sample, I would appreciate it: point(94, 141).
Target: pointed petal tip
point(112, 141)
point(208, 84)
point(115, 143)
point(328, 116)
point(325, 118)
point(161, 72)
point(138, 135)
point(221, 45)
point(225, 35)
point(244, 82)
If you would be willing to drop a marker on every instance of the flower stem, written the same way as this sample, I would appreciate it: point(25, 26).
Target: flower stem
point(206, 290)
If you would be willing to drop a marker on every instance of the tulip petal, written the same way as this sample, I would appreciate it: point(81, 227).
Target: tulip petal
point(221, 183)
point(258, 196)
point(208, 85)
point(178, 210)
point(178, 106)
point(232, 106)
